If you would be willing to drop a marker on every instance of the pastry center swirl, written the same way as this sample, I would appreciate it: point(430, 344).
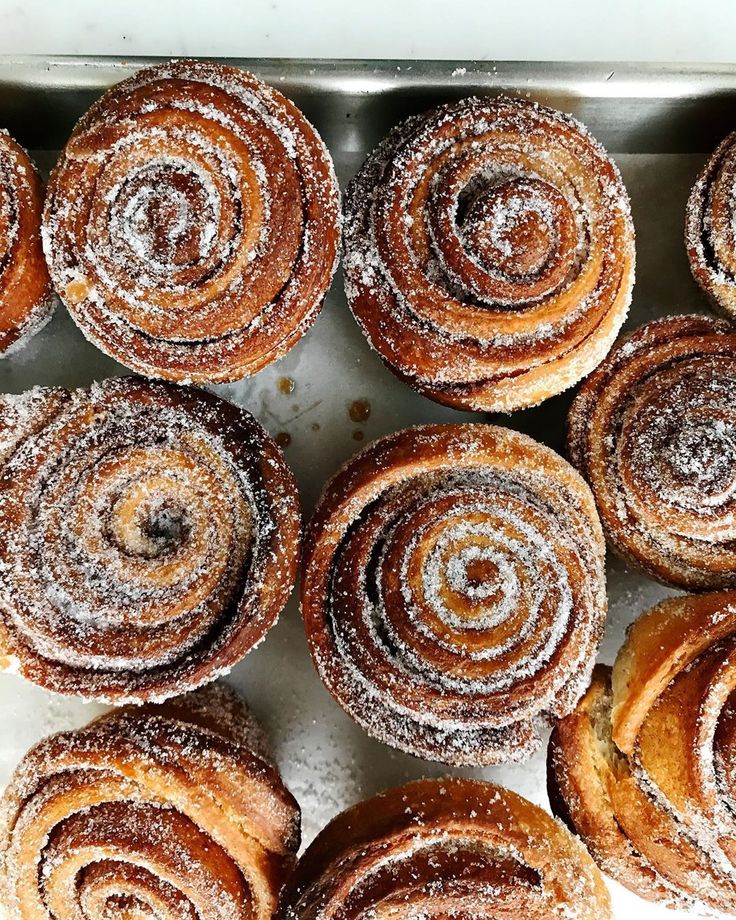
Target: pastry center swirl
point(168, 215)
point(514, 228)
point(679, 440)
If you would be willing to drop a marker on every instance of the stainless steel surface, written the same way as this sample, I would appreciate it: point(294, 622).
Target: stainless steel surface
point(657, 122)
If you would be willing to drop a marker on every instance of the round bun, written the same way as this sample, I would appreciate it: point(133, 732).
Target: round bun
point(489, 253)
point(192, 223)
point(453, 591)
point(151, 537)
point(653, 431)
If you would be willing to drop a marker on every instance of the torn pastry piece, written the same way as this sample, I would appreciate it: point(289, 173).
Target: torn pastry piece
point(643, 771)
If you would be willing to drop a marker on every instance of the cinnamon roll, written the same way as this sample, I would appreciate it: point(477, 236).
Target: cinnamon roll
point(150, 537)
point(710, 227)
point(653, 430)
point(171, 811)
point(453, 591)
point(445, 848)
point(192, 223)
point(489, 253)
point(643, 769)
point(26, 301)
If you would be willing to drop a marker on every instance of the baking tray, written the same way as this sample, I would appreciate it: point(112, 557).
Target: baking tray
point(659, 123)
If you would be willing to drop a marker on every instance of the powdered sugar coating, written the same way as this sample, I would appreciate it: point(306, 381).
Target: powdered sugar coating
point(445, 848)
point(152, 537)
point(710, 227)
point(165, 812)
point(26, 301)
point(453, 591)
point(489, 252)
point(653, 430)
point(192, 223)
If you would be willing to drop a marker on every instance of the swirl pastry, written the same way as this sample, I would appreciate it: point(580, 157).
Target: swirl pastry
point(26, 301)
point(453, 591)
point(192, 223)
point(653, 430)
point(489, 253)
point(445, 848)
point(151, 536)
point(710, 227)
point(171, 811)
point(643, 770)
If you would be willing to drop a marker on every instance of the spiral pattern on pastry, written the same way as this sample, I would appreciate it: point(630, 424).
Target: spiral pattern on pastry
point(489, 253)
point(26, 301)
point(710, 227)
point(653, 430)
point(453, 591)
point(151, 537)
point(643, 770)
point(170, 811)
point(192, 223)
point(445, 848)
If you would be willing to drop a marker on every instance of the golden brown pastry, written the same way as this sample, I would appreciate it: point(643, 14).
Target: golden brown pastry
point(453, 591)
point(489, 253)
point(150, 537)
point(643, 770)
point(192, 223)
point(26, 301)
point(710, 227)
point(653, 431)
point(445, 848)
point(170, 811)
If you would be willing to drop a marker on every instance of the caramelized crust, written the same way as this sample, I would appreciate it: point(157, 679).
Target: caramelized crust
point(192, 223)
point(26, 301)
point(445, 848)
point(489, 253)
point(653, 431)
point(453, 591)
point(642, 769)
point(171, 811)
point(151, 537)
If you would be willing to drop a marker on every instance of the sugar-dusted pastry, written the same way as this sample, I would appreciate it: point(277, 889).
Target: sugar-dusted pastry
point(489, 252)
point(171, 811)
point(150, 537)
point(446, 848)
point(192, 223)
point(643, 770)
point(453, 591)
point(710, 227)
point(653, 431)
point(26, 301)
